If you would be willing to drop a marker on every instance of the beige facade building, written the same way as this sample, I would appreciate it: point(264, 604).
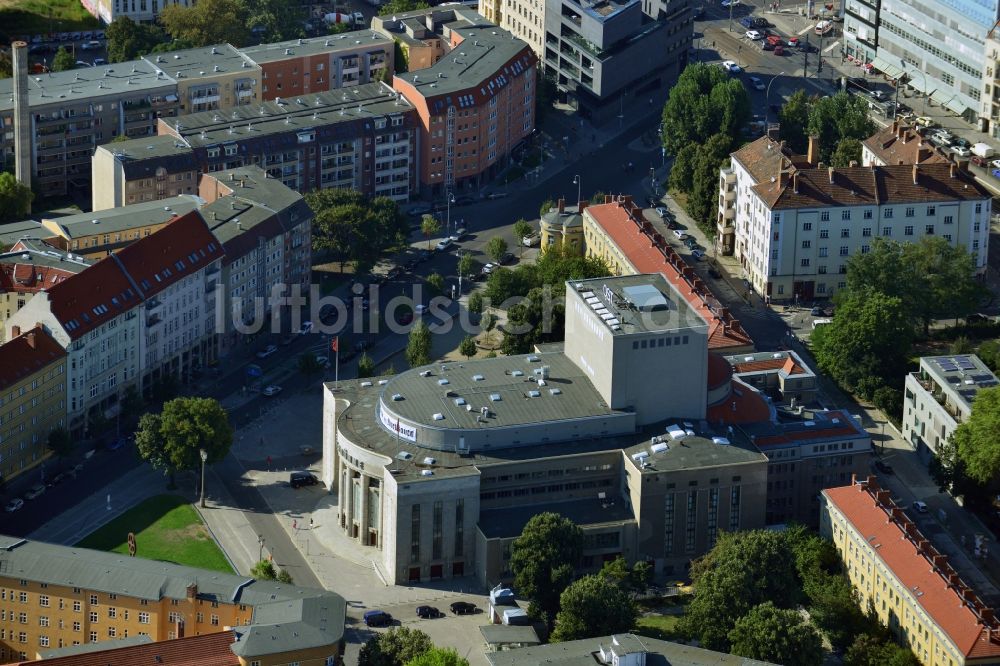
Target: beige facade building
point(132, 172)
point(525, 19)
point(563, 227)
point(210, 78)
point(32, 400)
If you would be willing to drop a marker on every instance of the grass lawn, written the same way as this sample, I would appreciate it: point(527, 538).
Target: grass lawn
point(166, 528)
point(31, 17)
point(663, 627)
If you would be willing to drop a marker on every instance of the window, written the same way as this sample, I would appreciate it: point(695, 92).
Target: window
point(887, 213)
point(43, 601)
point(824, 216)
point(949, 219)
point(845, 233)
point(886, 231)
point(76, 606)
point(214, 620)
point(143, 617)
point(979, 208)
point(866, 232)
point(822, 252)
point(907, 231)
point(804, 263)
point(806, 244)
point(865, 249)
point(843, 250)
point(930, 211)
point(909, 211)
point(824, 233)
point(93, 617)
point(807, 226)
point(929, 229)
point(845, 214)
point(867, 214)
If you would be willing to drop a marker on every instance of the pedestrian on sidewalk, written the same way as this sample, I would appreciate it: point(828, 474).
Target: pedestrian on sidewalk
point(310, 522)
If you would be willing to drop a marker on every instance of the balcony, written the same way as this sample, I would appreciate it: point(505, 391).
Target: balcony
point(153, 320)
point(152, 304)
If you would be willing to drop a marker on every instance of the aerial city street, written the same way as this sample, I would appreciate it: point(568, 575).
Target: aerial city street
point(370, 332)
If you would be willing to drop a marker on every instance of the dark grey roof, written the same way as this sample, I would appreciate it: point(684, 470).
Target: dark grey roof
point(355, 40)
point(120, 80)
point(140, 158)
point(127, 217)
point(206, 62)
point(507, 634)
point(291, 617)
point(508, 522)
point(14, 231)
point(43, 254)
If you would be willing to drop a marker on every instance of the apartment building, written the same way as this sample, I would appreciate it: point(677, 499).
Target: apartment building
point(618, 233)
point(137, 10)
point(29, 267)
point(609, 55)
point(95, 319)
point(362, 138)
point(151, 169)
point(210, 78)
point(420, 35)
point(475, 104)
point(100, 233)
point(32, 399)
point(58, 597)
point(808, 451)
point(906, 581)
point(320, 64)
point(937, 46)
point(899, 144)
point(794, 224)
point(939, 397)
point(989, 111)
point(265, 231)
point(74, 111)
point(525, 19)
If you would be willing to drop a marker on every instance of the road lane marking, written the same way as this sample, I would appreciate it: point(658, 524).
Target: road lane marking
point(831, 46)
point(807, 29)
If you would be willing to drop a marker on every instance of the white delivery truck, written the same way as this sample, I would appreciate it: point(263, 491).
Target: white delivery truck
point(983, 150)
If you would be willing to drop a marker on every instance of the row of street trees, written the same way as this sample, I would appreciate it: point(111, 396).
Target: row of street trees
point(354, 228)
point(841, 123)
point(402, 646)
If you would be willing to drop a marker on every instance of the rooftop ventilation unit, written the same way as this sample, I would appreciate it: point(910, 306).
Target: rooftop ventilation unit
point(430, 461)
point(439, 416)
point(554, 391)
point(383, 382)
point(495, 397)
point(721, 441)
point(404, 455)
point(659, 447)
point(366, 384)
point(640, 456)
point(534, 394)
point(477, 378)
point(396, 397)
point(517, 373)
point(459, 401)
point(443, 382)
point(426, 472)
point(532, 359)
point(425, 373)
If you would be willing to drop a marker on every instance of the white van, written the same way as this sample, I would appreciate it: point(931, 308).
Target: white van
point(823, 321)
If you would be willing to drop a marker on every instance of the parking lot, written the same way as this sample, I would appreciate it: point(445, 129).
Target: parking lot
point(87, 48)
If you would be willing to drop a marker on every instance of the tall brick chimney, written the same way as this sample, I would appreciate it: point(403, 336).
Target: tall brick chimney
point(813, 153)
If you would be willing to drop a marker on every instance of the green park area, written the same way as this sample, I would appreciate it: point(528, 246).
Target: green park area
point(166, 528)
point(31, 17)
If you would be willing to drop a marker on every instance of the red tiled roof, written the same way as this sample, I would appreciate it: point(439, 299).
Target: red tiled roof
point(181, 247)
point(84, 301)
point(743, 405)
point(26, 354)
point(788, 365)
point(24, 276)
point(900, 144)
point(618, 220)
point(204, 650)
point(943, 603)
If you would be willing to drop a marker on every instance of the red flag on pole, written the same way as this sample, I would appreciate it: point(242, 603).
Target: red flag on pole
point(334, 343)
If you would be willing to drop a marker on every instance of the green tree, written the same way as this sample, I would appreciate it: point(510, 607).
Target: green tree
point(544, 558)
point(172, 439)
point(264, 570)
point(395, 647)
point(597, 198)
point(705, 101)
point(207, 22)
point(127, 40)
point(285, 577)
point(877, 650)
point(593, 606)
point(394, 7)
point(522, 228)
point(436, 283)
point(869, 337)
point(496, 248)
point(976, 438)
point(274, 20)
point(60, 443)
point(418, 347)
point(742, 570)
point(353, 227)
point(467, 348)
point(546, 207)
point(475, 304)
point(776, 635)
point(6, 65)
point(488, 323)
point(62, 60)
point(633, 580)
point(890, 401)
point(848, 150)
point(467, 265)
point(429, 226)
point(794, 118)
point(131, 403)
point(366, 366)
point(682, 170)
point(15, 198)
point(989, 353)
point(439, 657)
point(702, 198)
point(401, 57)
point(839, 117)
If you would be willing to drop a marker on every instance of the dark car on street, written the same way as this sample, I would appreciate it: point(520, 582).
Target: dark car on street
point(428, 612)
point(463, 608)
point(377, 618)
point(883, 467)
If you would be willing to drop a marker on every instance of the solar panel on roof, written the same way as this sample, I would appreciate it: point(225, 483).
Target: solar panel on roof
point(966, 363)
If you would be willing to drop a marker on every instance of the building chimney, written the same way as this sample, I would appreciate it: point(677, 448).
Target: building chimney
point(192, 591)
point(904, 134)
point(15, 331)
point(30, 339)
point(773, 131)
point(895, 127)
point(952, 170)
point(23, 145)
point(562, 205)
point(813, 155)
point(795, 182)
point(900, 130)
point(582, 206)
point(830, 172)
point(916, 167)
point(963, 165)
point(852, 163)
point(782, 178)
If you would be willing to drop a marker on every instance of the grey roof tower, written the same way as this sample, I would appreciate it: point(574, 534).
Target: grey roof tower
point(22, 115)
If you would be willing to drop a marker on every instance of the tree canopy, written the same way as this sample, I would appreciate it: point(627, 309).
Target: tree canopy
point(274, 20)
point(832, 119)
point(496, 248)
point(544, 558)
point(60, 442)
point(396, 647)
point(794, 118)
point(439, 657)
point(353, 227)
point(401, 6)
point(418, 346)
point(848, 150)
point(875, 650)
point(704, 102)
point(15, 198)
point(976, 438)
point(172, 439)
point(776, 635)
point(127, 40)
point(593, 606)
point(207, 22)
point(62, 60)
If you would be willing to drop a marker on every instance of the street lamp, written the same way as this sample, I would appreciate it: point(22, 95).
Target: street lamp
point(204, 459)
point(260, 542)
point(767, 99)
point(451, 200)
point(579, 183)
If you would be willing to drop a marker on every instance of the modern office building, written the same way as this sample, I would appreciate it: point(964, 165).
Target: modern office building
point(29, 267)
point(939, 397)
point(909, 585)
point(937, 46)
point(74, 111)
point(899, 144)
point(618, 233)
point(59, 597)
point(611, 55)
point(362, 138)
point(625, 431)
point(475, 104)
point(131, 172)
point(793, 224)
point(32, 399)
point(210, 78)
point(319, 64)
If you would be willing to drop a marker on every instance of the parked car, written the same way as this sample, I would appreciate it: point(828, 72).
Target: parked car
point(299, 479)
point(996, 173)
point(82, 63)
point(271, 390)
point(100, 62)
point(882, 467)
point(507, 258)
point(663, 213)
point(57, 479)
point(767, 46)
point(531, 240)
point(731, 67)
point(14, 505)
point(726, 4)
point(428, 612)
point(961, 151)
point(779, 50)
point(377, 618)
point(267, 351)
point(698, 255)
point(117, 443)
point(747, 22)
point(35, 491)
point(680, 234)
point(926, 121)
point(979, 161)
point(92, 45)
point(757, 84)
point(463, 608)
point(306, 327)
point(488, 268)
point(443, 245)
point(459, 234)
point(753, 35)
point(497, 195)
point(358, 19)
point(919, 506)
